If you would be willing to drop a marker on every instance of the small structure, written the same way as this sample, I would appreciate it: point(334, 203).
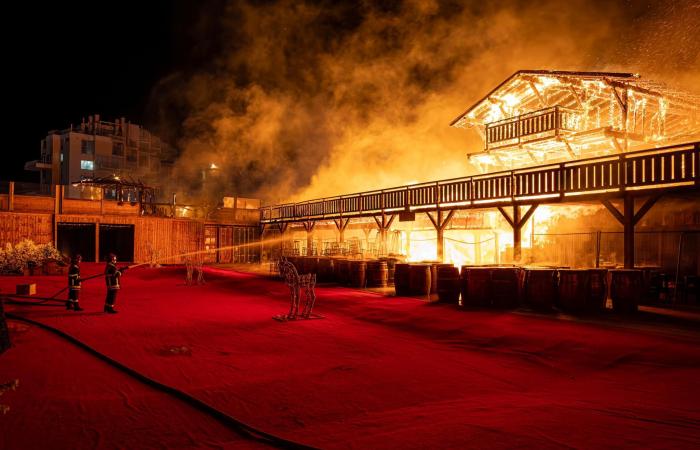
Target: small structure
point(123, 190)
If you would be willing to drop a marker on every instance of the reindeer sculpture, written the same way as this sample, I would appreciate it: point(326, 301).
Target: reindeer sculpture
point(296, 283)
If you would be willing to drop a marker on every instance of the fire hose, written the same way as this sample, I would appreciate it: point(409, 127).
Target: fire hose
point(224, 418)
point(52, 297)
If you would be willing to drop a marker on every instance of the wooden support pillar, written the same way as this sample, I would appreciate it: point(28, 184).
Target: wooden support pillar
point(628, 224)
point(517, 235)
point(517, 222)
point(440, 225)
point(341, 224)
point(629, 219)
point(309, 226)
point(57, 198)
point(97, 242)
point(383, 224)
point(11, 196)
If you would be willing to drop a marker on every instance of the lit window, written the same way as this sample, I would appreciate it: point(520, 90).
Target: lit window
point(87, 165)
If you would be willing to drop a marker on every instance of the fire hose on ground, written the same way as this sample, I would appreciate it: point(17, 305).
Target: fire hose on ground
point(229, 421)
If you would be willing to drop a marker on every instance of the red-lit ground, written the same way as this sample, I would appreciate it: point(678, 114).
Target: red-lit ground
point(375, 373)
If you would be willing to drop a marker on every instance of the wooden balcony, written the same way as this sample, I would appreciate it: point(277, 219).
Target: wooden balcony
point(537, 125)
point(669, 168)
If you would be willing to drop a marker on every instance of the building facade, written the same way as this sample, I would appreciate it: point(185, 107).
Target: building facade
point(96, 149)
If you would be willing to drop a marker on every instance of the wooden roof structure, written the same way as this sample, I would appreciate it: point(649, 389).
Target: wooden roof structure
point(541, 116)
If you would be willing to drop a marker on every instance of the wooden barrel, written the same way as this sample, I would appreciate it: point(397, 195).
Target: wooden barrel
point(505, 287)
point(419, 281)
point(401, 278)
point(343, 271)
point(625, 290)
point(358, 273)
point(478, 286)
point(448, 284)
point(574, 288)
point(300, 264)
point(311, 264)
point(325, 269)
point(463, 283)
point(434, 266)
point(598, 290)
point(377, 273)
point(390, 268)
point(540, 288)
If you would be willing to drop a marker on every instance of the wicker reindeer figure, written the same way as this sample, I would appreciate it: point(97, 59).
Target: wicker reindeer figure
point(296, 282)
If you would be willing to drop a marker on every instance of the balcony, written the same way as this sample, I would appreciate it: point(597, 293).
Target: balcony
point(538, 125)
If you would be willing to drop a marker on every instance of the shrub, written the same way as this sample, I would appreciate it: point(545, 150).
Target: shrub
point(15, 259)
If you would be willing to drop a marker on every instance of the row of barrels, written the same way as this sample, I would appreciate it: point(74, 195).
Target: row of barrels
point(351, 272)
point(584, 290)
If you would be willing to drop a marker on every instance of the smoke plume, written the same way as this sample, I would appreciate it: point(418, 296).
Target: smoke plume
point(303, 99)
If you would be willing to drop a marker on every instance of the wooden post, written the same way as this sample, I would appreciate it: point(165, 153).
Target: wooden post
point(57, 200)
point(517, 223)
point(309, 227)
point(11, 196)
point(97, 242)
point(440, 225)
point(102, 201)
point(341, 224)
point(517, 235)
point(383, 225)
point(628, 225)
point(629, 219)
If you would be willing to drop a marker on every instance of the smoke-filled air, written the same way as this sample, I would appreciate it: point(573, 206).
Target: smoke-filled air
point(307, 99)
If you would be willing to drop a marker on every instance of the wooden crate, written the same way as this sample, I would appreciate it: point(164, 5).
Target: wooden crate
point(26, 289)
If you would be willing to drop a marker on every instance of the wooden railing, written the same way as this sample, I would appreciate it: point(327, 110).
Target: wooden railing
point(544, 123)
point(669, 167)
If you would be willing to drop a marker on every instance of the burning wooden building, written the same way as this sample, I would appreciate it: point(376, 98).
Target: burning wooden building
point(538, 117)
point(555, 144)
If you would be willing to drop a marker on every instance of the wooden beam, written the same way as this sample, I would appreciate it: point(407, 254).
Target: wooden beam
point(616, 144)
point(506, 216)
point(390, 221)
point(568, 148)
point(620, 218)
point(447, 219)
point(435, 224)
point(527, 215)
point(576, 96)
point(645, 208)
point(537, 93)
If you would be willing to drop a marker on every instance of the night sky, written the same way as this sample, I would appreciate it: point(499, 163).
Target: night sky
point(284, 95)
point(79, 58)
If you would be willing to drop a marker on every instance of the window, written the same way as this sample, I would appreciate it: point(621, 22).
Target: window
point(87, 165)
point(87, 147)
point(118, 149)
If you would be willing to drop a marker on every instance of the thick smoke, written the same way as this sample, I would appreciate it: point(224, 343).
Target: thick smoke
point(303, 99)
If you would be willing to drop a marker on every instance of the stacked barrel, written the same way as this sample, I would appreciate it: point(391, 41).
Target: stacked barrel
point(541, 288)
point(347, 271)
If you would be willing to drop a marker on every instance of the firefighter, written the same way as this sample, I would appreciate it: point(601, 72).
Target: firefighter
point(74, 284)
point(112, 275)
